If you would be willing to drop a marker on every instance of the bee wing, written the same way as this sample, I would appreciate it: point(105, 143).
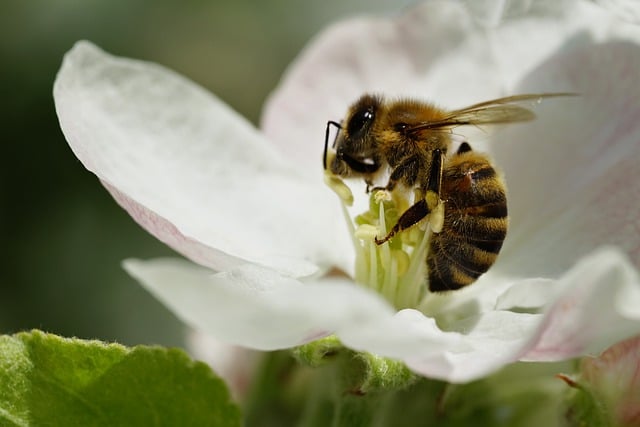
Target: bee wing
point(495, 111)
point(490, 114)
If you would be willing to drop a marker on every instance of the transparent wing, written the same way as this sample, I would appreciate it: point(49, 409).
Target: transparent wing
point(495, 111)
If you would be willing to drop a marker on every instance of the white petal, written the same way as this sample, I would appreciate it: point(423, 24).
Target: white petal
point(447, 52)
point(599, 306)
point(190, 170)
point(528, 294)
point(401, 335)
point(479, 345)
point(572, 174)
point(482, 297)
point(257, 307)
point(495, 339)
point(353, 57)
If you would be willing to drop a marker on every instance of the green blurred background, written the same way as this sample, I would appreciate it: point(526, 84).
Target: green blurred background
point(63, 238)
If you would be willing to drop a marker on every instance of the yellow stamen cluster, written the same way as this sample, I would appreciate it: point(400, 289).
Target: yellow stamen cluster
point(396, 269)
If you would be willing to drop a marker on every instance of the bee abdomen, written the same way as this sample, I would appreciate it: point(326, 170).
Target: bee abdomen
point(454, 263)
point(475, 223)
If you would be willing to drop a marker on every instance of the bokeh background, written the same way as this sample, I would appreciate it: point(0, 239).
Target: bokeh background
point(62, 237)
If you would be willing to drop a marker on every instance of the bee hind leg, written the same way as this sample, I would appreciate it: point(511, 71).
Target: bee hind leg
point(432, 195)
point(410, 217)
point(430, 204)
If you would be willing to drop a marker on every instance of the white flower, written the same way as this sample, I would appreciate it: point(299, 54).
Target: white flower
point(251, 212)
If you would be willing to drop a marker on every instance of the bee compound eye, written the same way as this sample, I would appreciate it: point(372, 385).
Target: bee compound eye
point(359, 121)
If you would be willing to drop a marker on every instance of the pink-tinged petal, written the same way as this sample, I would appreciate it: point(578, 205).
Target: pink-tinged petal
point(453, 53)
point(599, 305)
point(169, 234)
point(572, 174)
point(258, 307)
point(614, 378)
point(351, 58)
point(190, 170)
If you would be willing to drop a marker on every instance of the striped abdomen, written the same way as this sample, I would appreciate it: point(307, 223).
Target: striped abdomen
point(475, 222)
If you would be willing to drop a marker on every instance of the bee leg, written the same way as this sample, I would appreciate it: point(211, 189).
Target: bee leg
point(430, 204)
point(369, 188)
point(410, 217)
point(407, 171)
point(432, 195)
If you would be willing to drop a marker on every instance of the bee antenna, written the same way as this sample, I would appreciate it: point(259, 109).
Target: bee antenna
point(326, 141)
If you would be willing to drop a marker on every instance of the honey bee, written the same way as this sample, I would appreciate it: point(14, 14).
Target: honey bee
point(466, 197)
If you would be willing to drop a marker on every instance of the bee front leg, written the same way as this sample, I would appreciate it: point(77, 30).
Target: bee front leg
point(406, 171)
point(370, 186)
point(430, 204)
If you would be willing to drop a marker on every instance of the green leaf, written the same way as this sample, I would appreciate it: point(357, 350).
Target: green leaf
point(54, 381)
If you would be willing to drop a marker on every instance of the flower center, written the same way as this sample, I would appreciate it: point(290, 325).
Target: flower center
point(396, 269)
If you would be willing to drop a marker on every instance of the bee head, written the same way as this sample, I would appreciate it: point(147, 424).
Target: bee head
point(355, 144)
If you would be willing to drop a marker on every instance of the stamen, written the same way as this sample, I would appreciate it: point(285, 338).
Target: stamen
point(390, 283)
point(397, 269)
point(372, 280)
point(384, 249)
point(413, 282)
point(339, 187)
